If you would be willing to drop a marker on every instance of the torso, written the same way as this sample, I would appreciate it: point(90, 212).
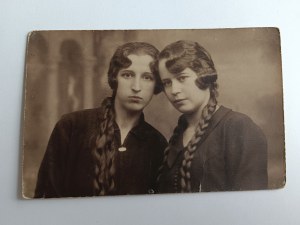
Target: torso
point(136, 168)
point(217, 164)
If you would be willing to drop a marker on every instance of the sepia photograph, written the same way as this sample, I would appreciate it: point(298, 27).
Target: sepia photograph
point(131, 112)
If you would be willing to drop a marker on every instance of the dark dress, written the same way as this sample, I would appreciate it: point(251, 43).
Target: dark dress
point(232, 155)
point(67, 169)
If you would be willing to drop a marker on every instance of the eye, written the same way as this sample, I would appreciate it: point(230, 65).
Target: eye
point(148, 77)
point(182, 78)
point(127, 75)
point(167, 83)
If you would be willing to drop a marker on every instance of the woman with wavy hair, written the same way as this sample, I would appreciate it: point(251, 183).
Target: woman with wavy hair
point(212, 148)
point(109, 150)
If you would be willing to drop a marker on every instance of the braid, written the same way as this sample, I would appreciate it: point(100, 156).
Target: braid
point(172, 141)
point(104, 151)
point(188, 54)
point(201, 128)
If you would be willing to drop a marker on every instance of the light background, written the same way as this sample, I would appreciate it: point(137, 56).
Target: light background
point(17, 18)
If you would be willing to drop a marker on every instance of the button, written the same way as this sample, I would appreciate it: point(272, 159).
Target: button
point(150, 191)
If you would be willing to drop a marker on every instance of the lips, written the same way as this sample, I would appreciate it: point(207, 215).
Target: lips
point(178, 101)
point(135, 97)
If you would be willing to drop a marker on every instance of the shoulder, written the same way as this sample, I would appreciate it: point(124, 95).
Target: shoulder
point(151, 132)
point(238, 118)
point(241, 124)
point(79, 118)
point(156, 142)
point(86, 113)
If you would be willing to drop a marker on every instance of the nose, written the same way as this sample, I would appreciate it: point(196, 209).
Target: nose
point(175, 88)
point(136, 85)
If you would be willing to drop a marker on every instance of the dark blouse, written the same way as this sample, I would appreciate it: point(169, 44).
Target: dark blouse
point(67, 169)
point(232, 155)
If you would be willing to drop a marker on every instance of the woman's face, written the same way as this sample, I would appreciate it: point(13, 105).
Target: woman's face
point(135, 84)
point(182, 91)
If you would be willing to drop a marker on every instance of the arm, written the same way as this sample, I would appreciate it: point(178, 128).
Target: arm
point(245, 155)
point(51, 172)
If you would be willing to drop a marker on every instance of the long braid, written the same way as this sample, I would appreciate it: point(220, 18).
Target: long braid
point(201, 128)
point(104, 151)
point(187, 54)
point(178, 129)
point(102, 141)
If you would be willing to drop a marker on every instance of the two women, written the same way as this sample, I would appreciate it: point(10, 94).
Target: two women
point(112, 150)
point(212, 147)
point(109, 150)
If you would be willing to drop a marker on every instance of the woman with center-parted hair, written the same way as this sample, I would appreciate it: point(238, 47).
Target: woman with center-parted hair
point(212, 148)
point(109, 150)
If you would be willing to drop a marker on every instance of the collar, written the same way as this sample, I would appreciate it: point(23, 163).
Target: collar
point(178, 147)
point(138, 130)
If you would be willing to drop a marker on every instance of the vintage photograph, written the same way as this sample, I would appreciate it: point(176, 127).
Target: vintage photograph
point(127, 112)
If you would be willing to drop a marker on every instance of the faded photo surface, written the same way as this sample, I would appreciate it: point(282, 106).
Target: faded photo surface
point(71, 71)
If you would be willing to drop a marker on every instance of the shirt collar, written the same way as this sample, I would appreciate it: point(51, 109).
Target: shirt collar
point(138, 130)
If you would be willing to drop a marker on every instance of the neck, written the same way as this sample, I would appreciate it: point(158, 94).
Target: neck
point(194, 117)
point(126, 119)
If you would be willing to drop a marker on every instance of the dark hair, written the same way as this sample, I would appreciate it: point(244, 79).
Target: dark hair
point(120, 60)
point(179, 56)
point(103, 146)
point(187, 54)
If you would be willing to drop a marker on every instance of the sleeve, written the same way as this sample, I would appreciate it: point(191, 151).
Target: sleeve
point(246, 155)
point(52, 169)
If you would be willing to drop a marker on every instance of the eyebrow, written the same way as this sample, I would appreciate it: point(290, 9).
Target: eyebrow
point(148, 73)
point(175, 75)
point(181, 73)
point(125, 70)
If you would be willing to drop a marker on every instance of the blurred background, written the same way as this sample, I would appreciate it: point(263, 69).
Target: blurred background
point(67, 71)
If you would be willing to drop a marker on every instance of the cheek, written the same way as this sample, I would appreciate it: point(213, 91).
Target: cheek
point(122, 88)
point(190, 89)
point(168, 93)
point(149, 86)
point(123, 84)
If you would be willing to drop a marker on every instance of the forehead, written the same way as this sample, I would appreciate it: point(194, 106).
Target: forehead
point(140, 62)
point(164, 73)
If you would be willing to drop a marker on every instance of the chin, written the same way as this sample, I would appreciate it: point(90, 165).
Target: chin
point(185, 110)
point(135, 107)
